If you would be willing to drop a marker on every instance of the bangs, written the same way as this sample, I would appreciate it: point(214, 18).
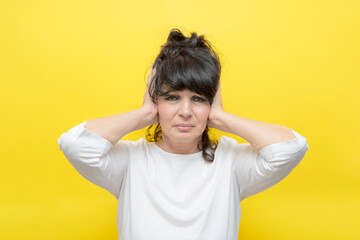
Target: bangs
point(190, 73)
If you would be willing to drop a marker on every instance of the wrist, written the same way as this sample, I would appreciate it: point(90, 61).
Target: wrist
point(217, 120)
point(148, 115)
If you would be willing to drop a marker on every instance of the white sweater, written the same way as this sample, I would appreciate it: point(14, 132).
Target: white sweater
point(166, 196)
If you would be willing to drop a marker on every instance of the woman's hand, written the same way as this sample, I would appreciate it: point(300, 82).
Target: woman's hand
point(216, 111)
point(148, 106)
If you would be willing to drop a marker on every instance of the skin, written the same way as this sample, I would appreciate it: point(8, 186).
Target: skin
point(178, 111)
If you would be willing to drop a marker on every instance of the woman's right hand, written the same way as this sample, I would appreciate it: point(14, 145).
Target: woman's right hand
point(148, 106)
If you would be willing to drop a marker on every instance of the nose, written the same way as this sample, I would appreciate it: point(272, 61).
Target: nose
point(185, 109)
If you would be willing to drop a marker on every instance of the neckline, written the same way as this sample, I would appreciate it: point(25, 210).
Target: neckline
point(175, 155)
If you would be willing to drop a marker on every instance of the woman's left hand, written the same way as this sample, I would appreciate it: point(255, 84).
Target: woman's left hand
point(216, 110)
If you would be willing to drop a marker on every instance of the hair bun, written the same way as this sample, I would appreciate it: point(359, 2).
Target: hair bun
point(176, 38)
point(177, 42)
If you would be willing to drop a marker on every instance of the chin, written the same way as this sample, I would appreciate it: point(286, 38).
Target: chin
point(185, 137)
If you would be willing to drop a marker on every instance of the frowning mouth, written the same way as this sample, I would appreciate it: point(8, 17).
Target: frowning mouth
point(184, 127)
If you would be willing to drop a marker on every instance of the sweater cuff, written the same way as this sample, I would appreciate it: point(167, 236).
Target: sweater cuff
point(284, 148)
point(85, 136)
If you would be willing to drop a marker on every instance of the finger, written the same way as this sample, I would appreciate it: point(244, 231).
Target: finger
point(148, 80)
point(149, 77)
point(152, 73)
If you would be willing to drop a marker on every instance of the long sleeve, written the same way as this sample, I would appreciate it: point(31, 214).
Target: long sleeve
point(95, 158)
point(257, 171)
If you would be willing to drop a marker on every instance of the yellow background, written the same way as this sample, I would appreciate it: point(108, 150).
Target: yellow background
point(292, 63)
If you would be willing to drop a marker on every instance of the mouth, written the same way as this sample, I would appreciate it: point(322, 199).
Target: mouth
point(184, 127)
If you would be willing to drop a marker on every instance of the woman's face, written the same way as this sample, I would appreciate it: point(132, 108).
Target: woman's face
point(183, 116)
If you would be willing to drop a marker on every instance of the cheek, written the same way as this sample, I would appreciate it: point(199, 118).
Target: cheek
point(203, 114)
point(165, 112)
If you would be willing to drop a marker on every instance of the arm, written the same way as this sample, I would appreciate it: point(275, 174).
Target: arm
point(274, 151)
point(95, 150)
point(258, 134)
point(95, 158)
point(113, 128)
point(257, 171)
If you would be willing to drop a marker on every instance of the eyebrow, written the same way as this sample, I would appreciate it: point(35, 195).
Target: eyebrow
point(167, 93)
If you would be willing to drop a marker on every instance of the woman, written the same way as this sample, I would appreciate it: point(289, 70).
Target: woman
point(180, 184)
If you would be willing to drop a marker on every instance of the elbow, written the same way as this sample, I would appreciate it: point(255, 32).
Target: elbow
point(72, 153)
point(69, 146)
point(78, 152)
point(291, 150)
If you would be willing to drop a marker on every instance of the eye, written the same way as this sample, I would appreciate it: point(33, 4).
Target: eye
point(172, 98)
point(198, 99)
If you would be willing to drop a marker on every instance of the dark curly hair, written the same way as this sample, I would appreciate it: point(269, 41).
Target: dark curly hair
point(186, 63)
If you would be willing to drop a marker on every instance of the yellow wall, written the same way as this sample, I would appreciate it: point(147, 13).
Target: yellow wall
point(292, 63)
